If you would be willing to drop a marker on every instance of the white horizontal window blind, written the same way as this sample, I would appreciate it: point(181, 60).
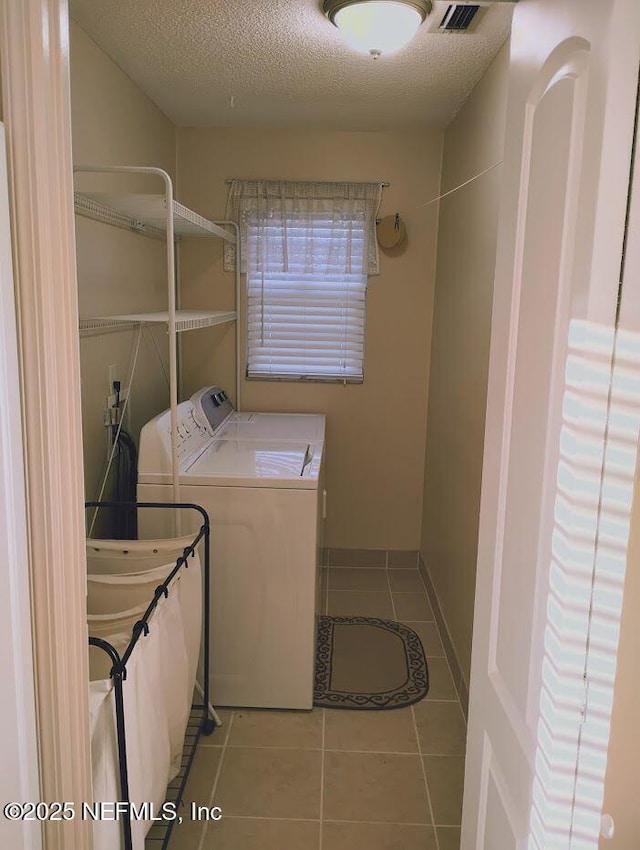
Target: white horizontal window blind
point(303, 323)
point(307, 253)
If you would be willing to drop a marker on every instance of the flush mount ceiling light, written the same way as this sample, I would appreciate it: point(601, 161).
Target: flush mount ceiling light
point(377, 26)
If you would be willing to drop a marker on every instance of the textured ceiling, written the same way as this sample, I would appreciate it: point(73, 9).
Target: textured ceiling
point(285, 64)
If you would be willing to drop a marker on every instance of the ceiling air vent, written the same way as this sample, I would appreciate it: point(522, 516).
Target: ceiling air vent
point(459, 18)
point(456, 17)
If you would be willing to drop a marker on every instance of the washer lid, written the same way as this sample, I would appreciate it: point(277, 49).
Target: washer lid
point(257, 463)
point(288, 427)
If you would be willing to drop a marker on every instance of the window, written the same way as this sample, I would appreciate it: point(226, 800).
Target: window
point(307, 250)
point(305, 322)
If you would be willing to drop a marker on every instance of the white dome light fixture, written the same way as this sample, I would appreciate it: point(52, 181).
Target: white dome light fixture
point(377, 26)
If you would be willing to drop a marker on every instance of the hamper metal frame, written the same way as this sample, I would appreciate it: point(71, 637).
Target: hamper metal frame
point(205, 725)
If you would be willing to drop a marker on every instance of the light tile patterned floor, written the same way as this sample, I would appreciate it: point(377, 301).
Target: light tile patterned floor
point(340, 780)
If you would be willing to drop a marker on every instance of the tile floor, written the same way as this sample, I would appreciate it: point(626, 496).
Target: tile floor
point(340, 780)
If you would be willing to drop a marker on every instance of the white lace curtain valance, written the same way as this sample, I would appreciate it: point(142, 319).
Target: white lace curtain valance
point(311, 225)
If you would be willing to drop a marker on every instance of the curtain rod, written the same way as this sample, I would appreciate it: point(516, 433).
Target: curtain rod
point(383, 184)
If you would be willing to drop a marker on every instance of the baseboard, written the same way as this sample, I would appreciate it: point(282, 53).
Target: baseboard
point(458, 677)
point(401, 559)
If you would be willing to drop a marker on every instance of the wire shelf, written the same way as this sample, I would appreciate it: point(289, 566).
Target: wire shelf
point(147, 214)
point(186, 320)
point(158, 838)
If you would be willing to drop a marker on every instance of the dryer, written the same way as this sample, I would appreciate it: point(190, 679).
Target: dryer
point(261, 479)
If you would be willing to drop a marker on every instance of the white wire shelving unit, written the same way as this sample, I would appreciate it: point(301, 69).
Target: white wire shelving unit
point(159, 216)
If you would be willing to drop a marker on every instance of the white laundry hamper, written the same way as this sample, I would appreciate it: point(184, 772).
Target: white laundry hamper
point(147, 739)
point(121, 579)
point(160, 672)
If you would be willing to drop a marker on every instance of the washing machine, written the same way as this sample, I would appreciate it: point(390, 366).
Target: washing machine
point(261, 479)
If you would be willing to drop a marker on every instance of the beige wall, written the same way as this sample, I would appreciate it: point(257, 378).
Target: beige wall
point(460, 353)
point(375, 461)
point(623, 766)
point(113, 123)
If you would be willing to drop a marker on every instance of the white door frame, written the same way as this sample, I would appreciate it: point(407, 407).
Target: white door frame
point(19, 779)
point(34, 48)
